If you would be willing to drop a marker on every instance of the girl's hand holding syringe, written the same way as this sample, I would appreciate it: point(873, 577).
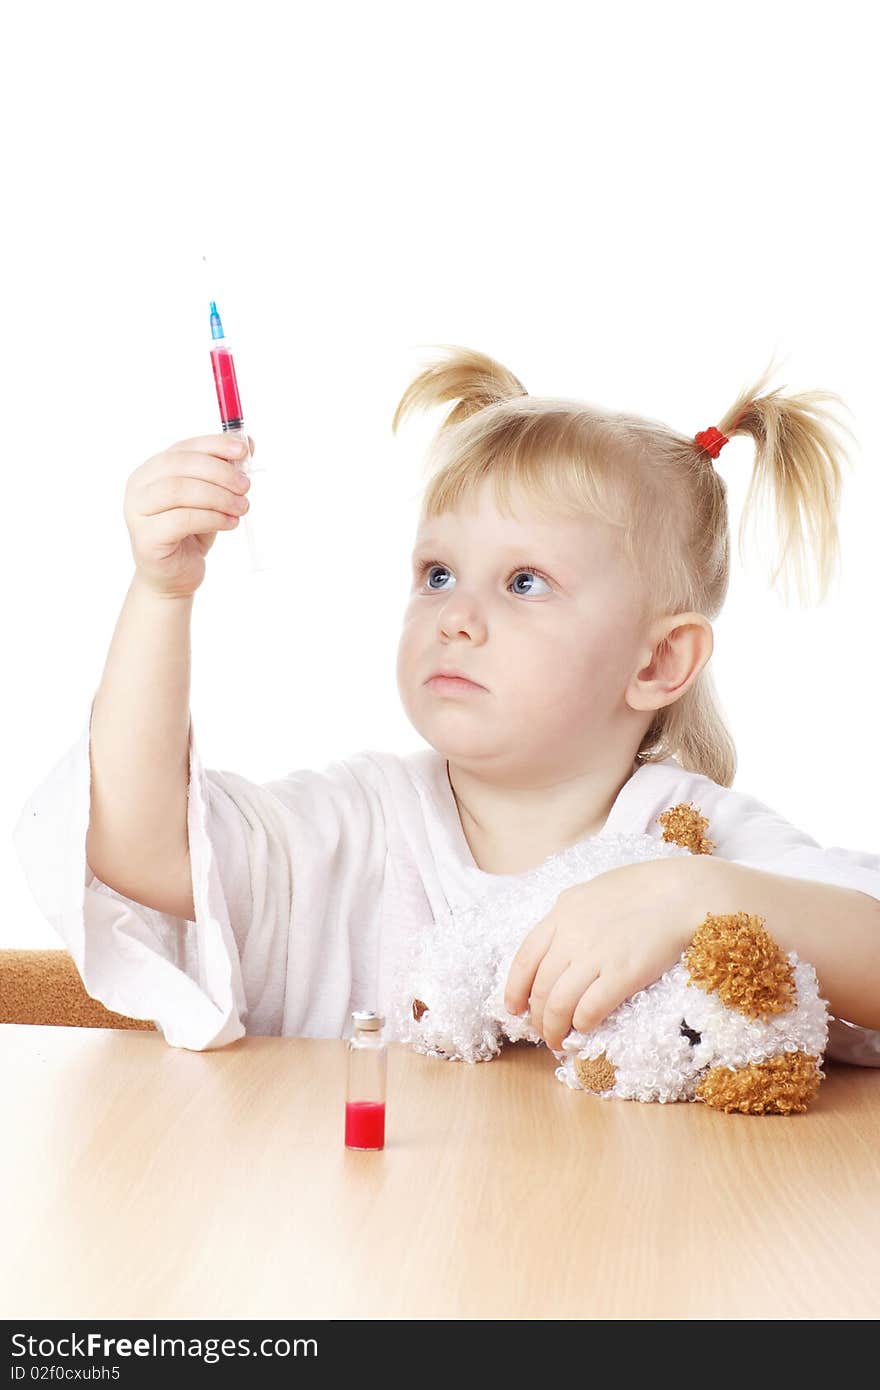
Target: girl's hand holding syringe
point(175, 504)
point(137, 840)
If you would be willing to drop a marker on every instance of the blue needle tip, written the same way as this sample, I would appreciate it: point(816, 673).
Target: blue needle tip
point(216, 325)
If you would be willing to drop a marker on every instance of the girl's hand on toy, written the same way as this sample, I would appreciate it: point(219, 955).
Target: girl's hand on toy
point(606, 939)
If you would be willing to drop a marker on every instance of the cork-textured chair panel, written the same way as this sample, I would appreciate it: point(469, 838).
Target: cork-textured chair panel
point(45, 987)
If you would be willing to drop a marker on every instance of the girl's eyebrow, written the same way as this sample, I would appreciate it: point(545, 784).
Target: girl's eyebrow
point(426, 549)
point(511, 551)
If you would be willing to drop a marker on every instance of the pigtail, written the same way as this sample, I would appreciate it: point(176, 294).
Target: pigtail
point(798, 463)
point(468, 377)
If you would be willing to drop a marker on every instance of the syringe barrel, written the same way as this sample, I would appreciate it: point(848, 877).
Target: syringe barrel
point(226, 384)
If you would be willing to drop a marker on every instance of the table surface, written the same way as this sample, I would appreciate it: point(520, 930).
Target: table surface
point(146, 1181)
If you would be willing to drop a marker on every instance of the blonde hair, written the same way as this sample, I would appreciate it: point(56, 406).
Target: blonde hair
point(657, 488)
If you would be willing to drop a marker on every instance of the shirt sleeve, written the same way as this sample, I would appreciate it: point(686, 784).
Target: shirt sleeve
point(250, 957)
point(751, 833)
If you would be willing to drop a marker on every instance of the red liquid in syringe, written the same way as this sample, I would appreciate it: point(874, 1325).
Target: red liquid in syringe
point(225, 381)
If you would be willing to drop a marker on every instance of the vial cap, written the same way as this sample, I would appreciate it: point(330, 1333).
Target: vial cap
point(367, 1020)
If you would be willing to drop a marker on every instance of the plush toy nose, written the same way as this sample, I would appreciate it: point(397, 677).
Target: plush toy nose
point(596, 1073)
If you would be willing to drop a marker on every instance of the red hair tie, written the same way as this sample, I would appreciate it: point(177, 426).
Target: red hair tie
point(712, 440)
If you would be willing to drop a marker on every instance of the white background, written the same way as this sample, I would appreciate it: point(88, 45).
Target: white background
point(635, 205)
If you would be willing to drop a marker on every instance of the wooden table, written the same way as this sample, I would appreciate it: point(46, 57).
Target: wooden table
point(145, 1181)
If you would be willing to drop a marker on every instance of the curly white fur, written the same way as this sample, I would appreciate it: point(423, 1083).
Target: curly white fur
point(654, 1059)
point(459, 966)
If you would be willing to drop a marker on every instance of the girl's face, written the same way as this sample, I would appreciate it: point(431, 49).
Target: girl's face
point(544, 615)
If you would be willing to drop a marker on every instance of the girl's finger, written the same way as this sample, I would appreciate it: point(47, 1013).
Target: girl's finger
point(221, 445)
point(525, 964)
point(168, 492)
point(173, 526)
point(598, 1001)
point(557, 1019)
point(552, 967)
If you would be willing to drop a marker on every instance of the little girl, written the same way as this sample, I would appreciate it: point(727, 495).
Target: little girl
point(554, 658)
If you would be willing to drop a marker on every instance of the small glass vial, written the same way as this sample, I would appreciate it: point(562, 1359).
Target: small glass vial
point(365, 1095)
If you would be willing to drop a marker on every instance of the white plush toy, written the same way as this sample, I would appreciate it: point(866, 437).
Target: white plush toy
point(736, 1023)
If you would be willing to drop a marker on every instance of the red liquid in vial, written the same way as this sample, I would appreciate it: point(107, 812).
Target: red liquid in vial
point(365, 1124)
point(226, 384)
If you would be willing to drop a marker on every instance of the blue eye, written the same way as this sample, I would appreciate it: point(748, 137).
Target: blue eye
point(430, 565)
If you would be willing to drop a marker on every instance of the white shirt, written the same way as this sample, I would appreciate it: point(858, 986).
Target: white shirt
point(305, 888)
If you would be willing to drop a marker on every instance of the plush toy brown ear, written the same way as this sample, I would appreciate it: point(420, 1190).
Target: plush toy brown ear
point(782, 1085)
point(683, 825)
point(418, 1008)
point(731, 955)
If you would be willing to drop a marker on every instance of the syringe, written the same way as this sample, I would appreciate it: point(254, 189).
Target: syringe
point(232, 419)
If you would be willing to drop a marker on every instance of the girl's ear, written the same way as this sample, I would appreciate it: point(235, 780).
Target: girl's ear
point(683, 645)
